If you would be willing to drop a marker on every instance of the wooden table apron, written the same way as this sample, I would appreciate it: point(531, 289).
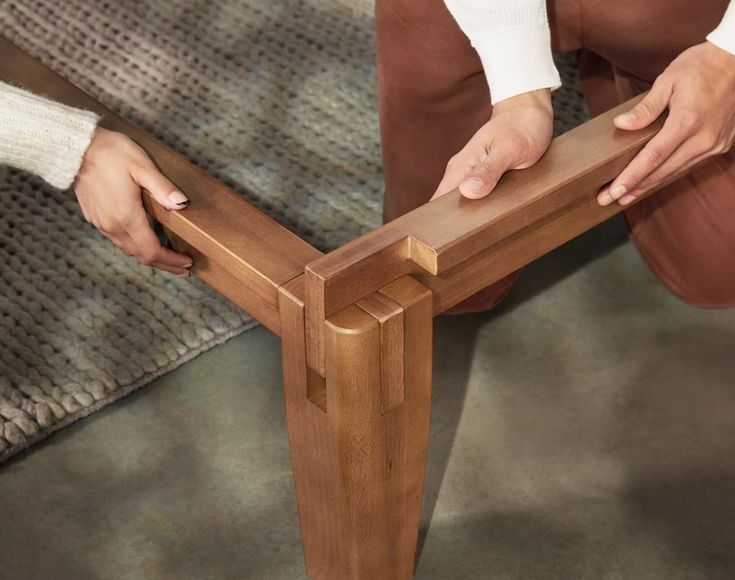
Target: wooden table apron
point(356, 324)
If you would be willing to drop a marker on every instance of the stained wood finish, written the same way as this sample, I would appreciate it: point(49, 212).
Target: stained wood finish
point(449, 234)
point(390, 259)
point(359, 469)
point(310, 440)
point(389, 315)
point(513, 252)
point(355, 328)
point(239, 250)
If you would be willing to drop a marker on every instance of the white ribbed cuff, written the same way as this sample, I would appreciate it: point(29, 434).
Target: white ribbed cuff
point(518, 61)
point(724, 35)
point(42, 136)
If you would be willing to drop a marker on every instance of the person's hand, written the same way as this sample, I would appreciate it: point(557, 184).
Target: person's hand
point(517, 135)
point(698, 88)
point(108, 188)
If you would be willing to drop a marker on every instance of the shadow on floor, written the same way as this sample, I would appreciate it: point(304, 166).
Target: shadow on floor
point(454, 345)
point(677, 442)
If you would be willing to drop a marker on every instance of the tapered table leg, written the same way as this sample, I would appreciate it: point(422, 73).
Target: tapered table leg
point(359, 439)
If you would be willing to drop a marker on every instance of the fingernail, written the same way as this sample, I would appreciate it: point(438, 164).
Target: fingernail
point(626, 117)
point(618, 191)
point(605, 198)
point(627, 200)
point(472, 185)
point(188, 264)
point(183, 275)
point(178, 198)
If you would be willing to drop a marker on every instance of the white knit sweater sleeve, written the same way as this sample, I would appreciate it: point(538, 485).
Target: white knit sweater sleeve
point(42, 136)
point(513, 40)
point(724, 35)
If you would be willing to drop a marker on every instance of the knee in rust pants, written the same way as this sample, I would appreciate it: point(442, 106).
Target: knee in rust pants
point(433, 97)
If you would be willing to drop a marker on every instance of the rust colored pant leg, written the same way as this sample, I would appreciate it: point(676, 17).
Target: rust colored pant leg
point(686, 231)
point(686, 234)
point(433, 97)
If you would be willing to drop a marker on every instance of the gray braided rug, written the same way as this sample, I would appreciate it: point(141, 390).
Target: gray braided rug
point(276, 99)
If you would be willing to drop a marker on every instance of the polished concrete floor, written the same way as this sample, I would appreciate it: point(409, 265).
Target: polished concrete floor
point(584, 430)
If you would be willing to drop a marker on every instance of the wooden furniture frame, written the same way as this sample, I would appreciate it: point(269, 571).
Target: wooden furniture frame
point(356, 324)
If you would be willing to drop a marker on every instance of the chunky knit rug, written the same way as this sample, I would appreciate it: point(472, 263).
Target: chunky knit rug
point(276, 99)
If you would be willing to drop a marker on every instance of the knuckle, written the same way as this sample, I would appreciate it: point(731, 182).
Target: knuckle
point(141, 167)
point(653, 156)
point(711, 145)
point(109, 228)
point(146, 259)
point(631, 178)
point(643, 109)
point(149, 254)
point(648, 107)
point(713, 141)
point(520, 150)
point(456, 163)
point(125, 142)
point(655, 178)
point(481, 170)
point(706, 143)
point(689, 121)
point(125, 220)
point(718, 148)
point(722, 147)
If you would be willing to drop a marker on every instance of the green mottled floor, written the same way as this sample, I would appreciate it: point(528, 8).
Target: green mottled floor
point(585, 430)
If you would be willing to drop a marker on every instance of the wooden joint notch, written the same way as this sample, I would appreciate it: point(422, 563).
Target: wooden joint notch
point(440, 242)
point(370, 273)
point(389, 315)
point(293, 346)
point(316, 389)
point(388, 320)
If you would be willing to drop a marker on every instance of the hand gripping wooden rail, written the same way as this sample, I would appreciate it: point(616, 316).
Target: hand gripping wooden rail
point(356, 324)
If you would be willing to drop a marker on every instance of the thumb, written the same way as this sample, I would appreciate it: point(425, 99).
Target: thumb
point(163, 191)
point(646, 111)
point(483, 177)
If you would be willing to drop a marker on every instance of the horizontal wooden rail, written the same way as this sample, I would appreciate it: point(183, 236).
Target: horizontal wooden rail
point(457, 246)
point(452, 245)
point(238, 250)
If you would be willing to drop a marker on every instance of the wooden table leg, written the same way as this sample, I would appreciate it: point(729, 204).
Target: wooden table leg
point(359, 439)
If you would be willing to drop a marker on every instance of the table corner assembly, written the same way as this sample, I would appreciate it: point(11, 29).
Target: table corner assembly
point(356, 324)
